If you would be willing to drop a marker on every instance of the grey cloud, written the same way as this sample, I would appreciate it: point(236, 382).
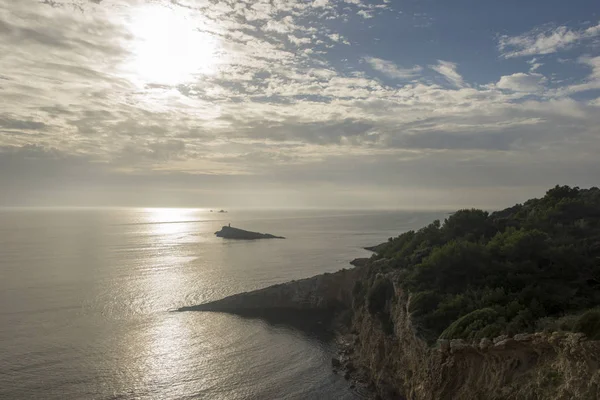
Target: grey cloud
point(32, 166)
point(499, 141)
point(67, 37)
point(19, 35)
point(330, 132)
point(152, 151)
point(9, 123)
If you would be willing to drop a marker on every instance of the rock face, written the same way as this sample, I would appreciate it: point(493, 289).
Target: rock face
point(537, 366)
point(228, 232)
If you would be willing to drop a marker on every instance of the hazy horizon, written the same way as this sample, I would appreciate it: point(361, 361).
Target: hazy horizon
point(276, 207)
point(331, 104)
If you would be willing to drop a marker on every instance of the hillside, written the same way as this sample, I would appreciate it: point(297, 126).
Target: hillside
point(528, 268)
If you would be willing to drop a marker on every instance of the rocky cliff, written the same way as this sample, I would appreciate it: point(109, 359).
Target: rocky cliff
point(397, 364)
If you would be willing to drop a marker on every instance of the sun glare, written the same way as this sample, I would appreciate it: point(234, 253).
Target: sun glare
point(169, 215)
point(169, 47)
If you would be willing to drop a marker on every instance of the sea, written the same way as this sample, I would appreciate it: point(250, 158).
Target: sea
point(87, 300)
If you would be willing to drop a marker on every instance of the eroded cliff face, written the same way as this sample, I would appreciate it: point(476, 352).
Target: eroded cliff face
point(400, 365)
point(527, 366)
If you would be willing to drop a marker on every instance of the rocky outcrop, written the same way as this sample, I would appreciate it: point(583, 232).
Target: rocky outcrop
point(359, 262)
point(228, 232)
point(376, 249)
point(327, 292)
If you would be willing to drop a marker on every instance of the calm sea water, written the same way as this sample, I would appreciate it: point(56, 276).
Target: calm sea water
point(85, 300)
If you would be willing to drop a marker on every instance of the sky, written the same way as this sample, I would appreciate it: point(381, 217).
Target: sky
point(408, 104)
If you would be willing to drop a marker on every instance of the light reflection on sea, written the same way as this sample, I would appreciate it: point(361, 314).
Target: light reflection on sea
point(85, 300)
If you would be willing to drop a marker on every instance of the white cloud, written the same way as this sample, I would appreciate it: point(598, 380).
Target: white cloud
point(392, 70)
point(448, 70)
point(522, 82)
point(320, 3)
point(366, 14)
point(298, 40)
point(285, 25)
point(544, 41)
point(594, 64)
point(592, 82)
point(535, 65)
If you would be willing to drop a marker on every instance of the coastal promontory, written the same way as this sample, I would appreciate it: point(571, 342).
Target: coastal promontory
point(502, 305)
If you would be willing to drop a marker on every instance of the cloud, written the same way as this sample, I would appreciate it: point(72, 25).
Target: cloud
point(535, 65)
point(544, 41)
point(283, 108)
point(152, 151)
point(9, 123)
point(594, 64)
point(391, 70)
point(366, 14)
point(320, 3)
point(298, 41)
point(522, 82)
point(448, 70)
point(285, 25)
point(592, 81)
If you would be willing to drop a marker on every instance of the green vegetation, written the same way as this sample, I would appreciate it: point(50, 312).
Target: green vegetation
point(379, 301)
point(530, 267)
point(589, 323)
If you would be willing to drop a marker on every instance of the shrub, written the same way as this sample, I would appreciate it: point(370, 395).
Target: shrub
point(379, 299)
point(380, 293)
point(423, 302)
point(469, 326)
point(589, 323)
point(358, 295)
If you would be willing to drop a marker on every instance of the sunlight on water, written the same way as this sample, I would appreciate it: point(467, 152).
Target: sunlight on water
point(86, 295)
point(156, 215)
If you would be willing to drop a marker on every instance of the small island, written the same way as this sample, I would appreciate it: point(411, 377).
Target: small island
point(228, 232)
